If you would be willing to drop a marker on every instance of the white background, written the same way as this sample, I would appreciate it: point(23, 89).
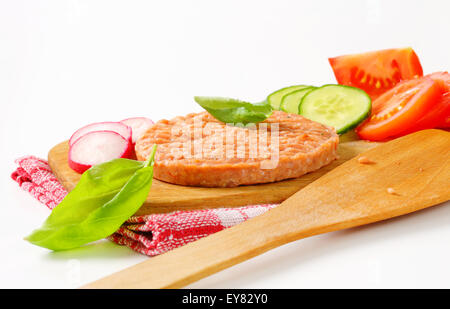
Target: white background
point(64, 64)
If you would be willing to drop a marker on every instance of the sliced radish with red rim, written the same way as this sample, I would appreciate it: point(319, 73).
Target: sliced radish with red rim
point(138, 126)
point(118, 127)
point(98, 147)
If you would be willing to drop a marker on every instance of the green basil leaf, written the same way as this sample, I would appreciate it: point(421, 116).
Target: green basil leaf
point(235, 111)
point(105, 197)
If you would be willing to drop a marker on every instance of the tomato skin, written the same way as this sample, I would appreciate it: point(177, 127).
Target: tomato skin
point(443, 78)
point(377, 71)
point(438, 117)
point(445, 121)
point(402, 109)
point(443, 109)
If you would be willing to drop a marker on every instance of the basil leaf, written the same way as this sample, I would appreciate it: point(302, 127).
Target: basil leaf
point(235, 111)
point(105, 197)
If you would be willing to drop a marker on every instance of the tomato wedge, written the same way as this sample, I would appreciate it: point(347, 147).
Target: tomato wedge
point(377, 71)
point(399, 110)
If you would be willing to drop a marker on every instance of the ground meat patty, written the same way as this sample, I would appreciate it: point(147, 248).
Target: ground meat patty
point(198, 150)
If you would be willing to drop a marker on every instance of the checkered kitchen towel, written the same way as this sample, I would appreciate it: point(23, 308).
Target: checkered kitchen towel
point(150, 234)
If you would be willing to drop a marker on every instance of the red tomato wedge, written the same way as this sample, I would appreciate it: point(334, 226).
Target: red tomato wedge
point(377, 71)
point(401, 110)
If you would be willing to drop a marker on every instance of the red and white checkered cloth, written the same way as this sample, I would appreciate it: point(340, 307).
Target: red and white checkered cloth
point(151, 234)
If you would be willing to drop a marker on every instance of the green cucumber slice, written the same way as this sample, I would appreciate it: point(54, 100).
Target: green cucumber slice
point(341, 107)
point(291, 101)
point(274, 98)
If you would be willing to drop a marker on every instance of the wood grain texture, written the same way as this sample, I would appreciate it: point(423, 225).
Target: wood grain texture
point(416, 167)
point(165, 197)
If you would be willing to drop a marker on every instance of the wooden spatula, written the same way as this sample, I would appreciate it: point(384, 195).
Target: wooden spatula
point(408, 174)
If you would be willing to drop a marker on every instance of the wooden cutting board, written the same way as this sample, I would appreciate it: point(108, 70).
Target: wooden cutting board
point(165, 197)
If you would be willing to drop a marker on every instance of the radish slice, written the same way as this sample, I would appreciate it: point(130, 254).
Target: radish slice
point(98, 147)
point(117, 127)
point(138, 126)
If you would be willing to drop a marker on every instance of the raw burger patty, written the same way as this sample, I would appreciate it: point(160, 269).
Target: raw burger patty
point(304, 146)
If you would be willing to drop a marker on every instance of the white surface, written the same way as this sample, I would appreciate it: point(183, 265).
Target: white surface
point(64, 64)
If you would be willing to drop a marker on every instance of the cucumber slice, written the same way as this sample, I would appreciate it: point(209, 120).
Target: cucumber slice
point(341, 107)
point(274, 98)
point(291, 101)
